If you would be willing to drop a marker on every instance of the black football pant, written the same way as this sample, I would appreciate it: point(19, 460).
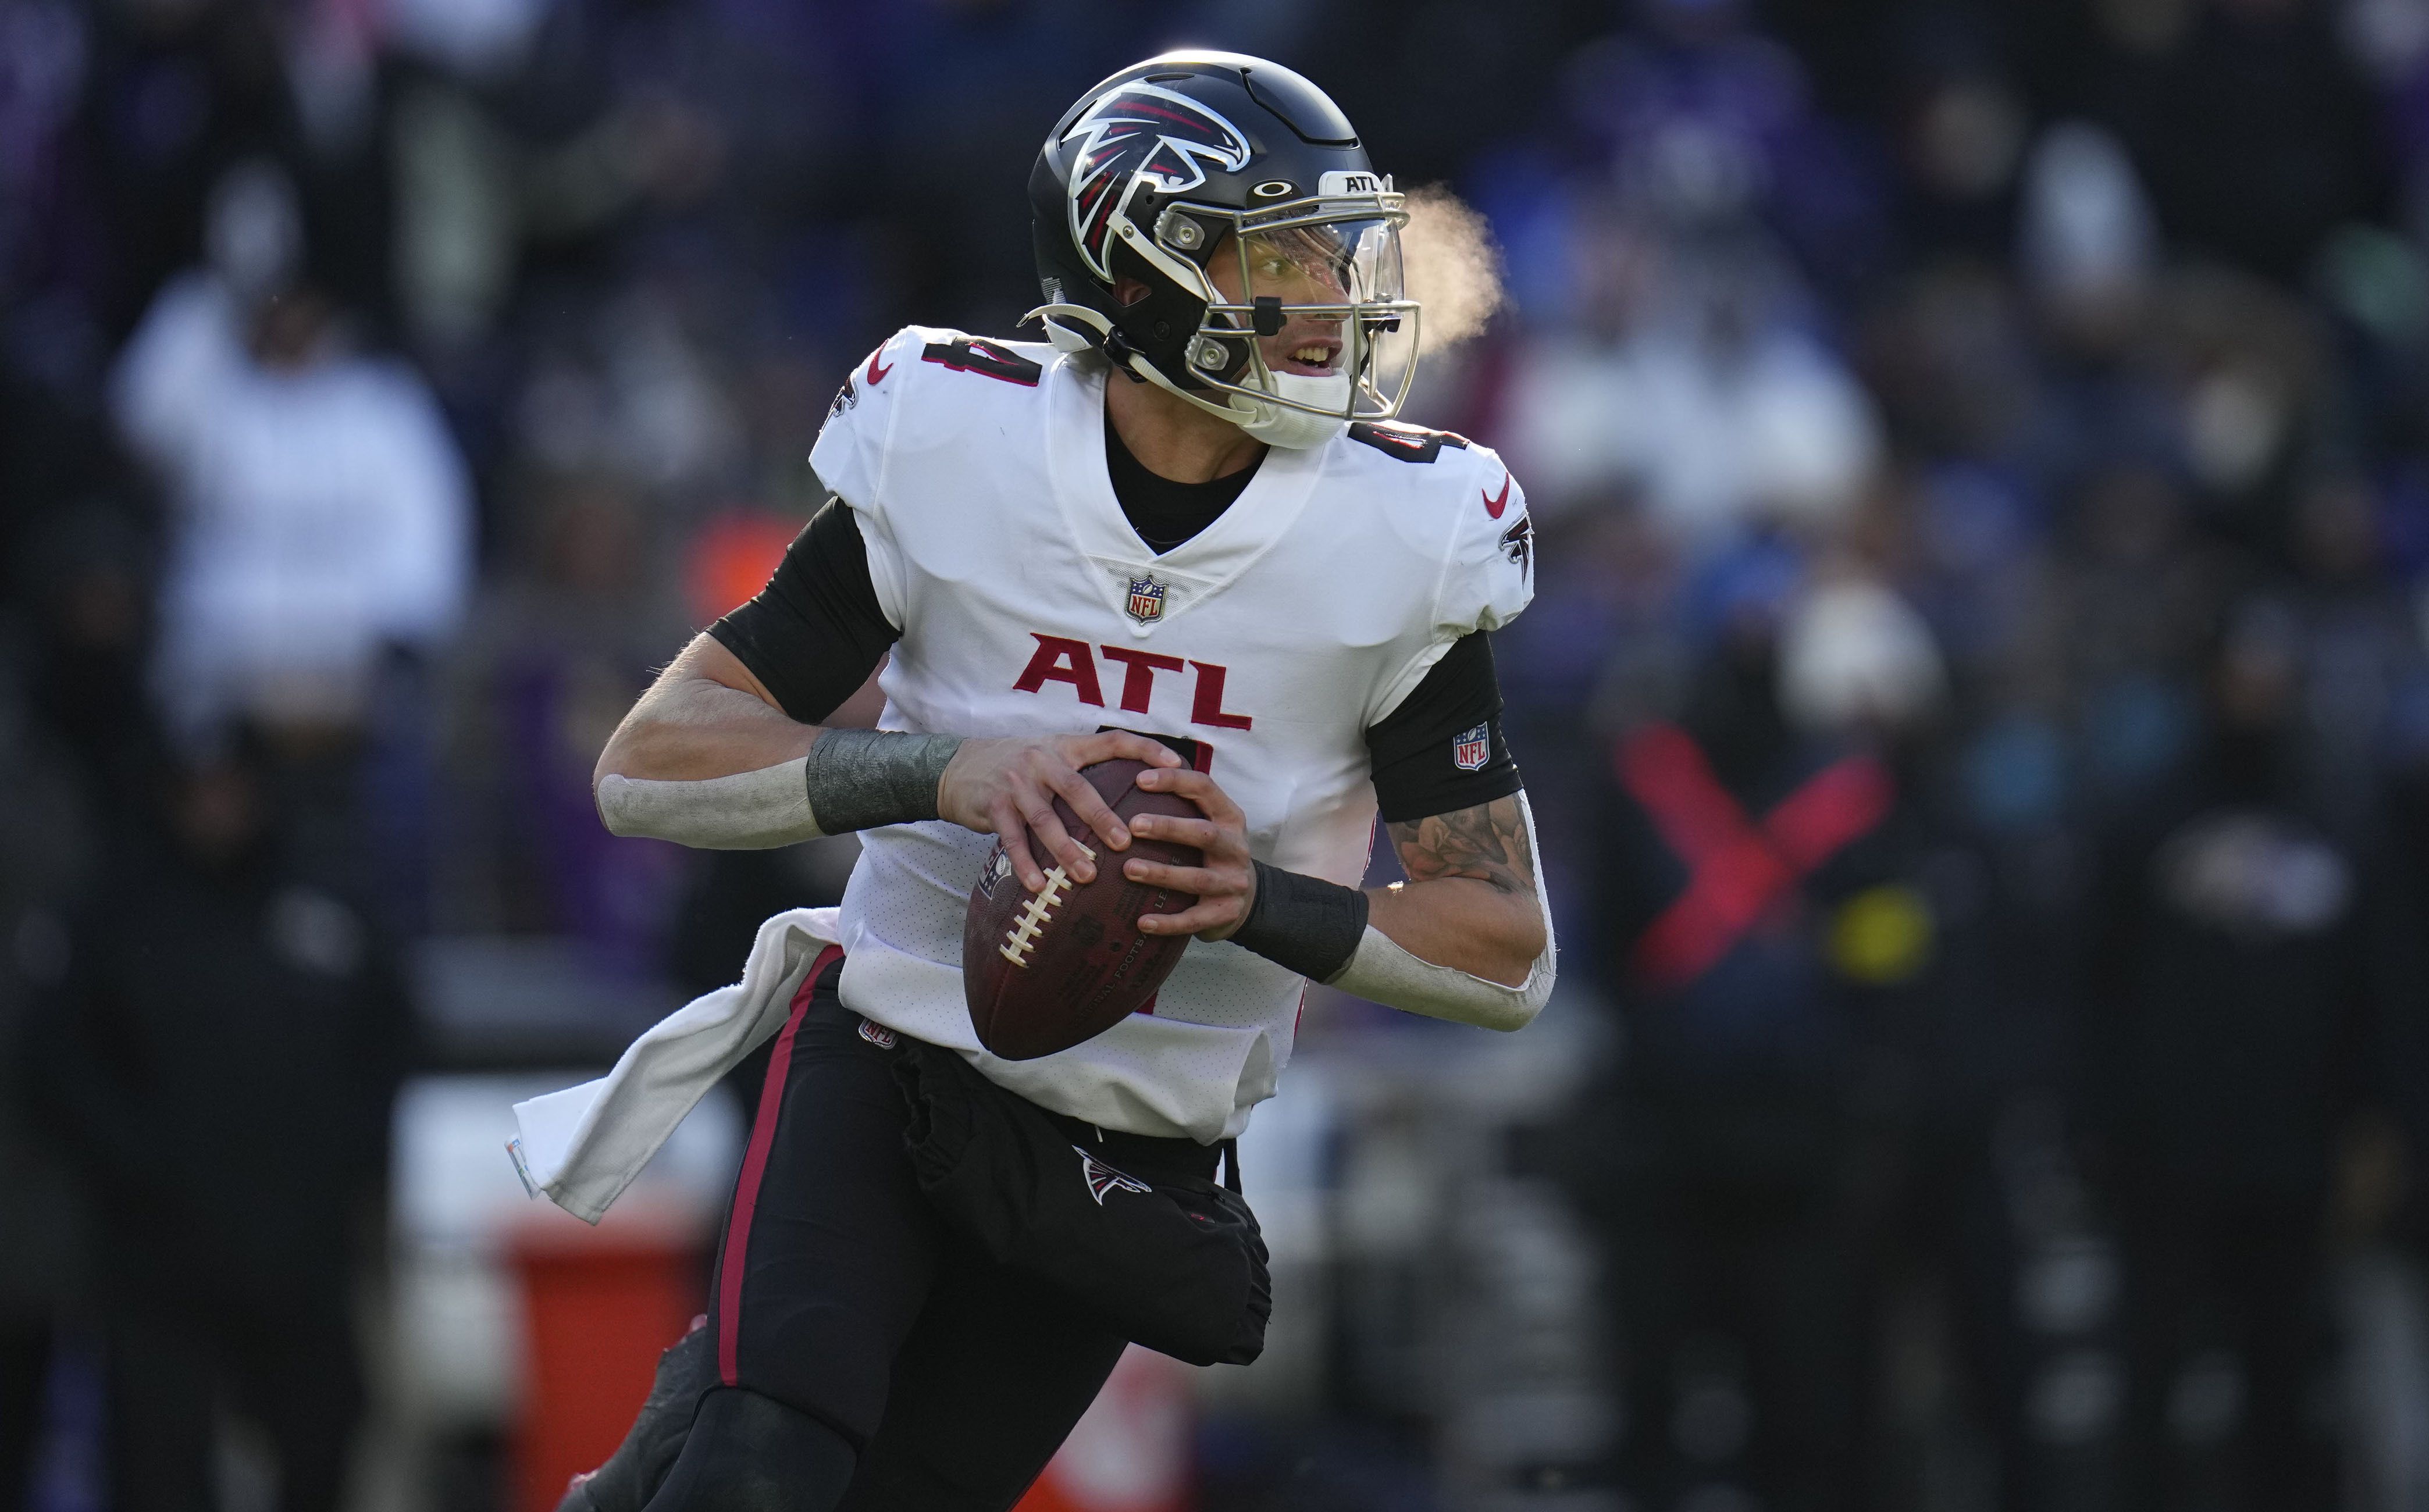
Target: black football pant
point(909, 1371)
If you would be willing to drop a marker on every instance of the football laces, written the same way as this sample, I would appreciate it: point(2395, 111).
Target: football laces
point(1035, 915)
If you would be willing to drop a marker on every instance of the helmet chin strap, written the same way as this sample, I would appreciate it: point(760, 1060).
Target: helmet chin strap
point(1063, 337)
point(1298, 430)
point(1274, 424)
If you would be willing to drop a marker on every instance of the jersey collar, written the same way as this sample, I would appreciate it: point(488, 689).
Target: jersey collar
point(1191, 572)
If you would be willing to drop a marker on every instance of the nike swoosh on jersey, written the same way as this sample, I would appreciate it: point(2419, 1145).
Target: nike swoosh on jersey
point(1495, 504)
point(876, 373)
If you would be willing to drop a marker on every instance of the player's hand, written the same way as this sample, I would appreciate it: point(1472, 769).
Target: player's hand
point(1225, 882)
point(1007, 788)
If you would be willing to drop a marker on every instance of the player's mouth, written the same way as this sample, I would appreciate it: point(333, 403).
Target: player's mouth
point(1313, 358)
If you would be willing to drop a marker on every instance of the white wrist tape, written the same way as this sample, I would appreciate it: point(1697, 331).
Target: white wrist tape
point(749, 810)
point(1381, 971)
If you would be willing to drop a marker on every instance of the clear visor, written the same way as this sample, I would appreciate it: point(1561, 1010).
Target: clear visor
point(1332, 279)
point(1324, 262)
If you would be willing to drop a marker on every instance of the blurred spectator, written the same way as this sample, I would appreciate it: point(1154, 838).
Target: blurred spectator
point(1704, 121)
point(1965, 137)
point(2245, 952)
point(2133, 598)
point(44, 832)
point(321, 512)
point(220, 1047)
point(78, 566)
point(1763, 907)
point(2088, 239)
point(550, 660)
point(179, 95)
point(1717, 411)
point(2248, 120)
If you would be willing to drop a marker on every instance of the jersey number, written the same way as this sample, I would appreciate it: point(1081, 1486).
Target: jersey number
point(1410, 443)
point(971, 354)
point(1198, 753)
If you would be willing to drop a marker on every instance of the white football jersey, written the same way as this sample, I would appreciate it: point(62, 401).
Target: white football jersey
point(1029, 606)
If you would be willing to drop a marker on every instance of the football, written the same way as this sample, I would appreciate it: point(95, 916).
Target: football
point(1043, 972)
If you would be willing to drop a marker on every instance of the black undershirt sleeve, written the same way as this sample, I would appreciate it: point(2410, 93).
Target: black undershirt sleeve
point(1453, 716)
point(815, 632)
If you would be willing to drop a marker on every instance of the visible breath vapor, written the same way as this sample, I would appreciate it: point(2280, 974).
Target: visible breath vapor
point(1451, 266)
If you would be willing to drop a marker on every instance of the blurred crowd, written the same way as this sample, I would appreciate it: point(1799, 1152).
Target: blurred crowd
point(1977, 699)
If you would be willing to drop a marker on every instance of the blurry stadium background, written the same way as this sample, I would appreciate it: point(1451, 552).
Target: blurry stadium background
point(1976, 702)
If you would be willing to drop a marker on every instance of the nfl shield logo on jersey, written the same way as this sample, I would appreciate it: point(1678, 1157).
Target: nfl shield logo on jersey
point(997, 867)
point(1473, 748)
point(1146, 601)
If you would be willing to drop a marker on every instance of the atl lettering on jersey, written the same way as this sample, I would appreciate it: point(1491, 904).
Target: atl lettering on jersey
point(1061, 659)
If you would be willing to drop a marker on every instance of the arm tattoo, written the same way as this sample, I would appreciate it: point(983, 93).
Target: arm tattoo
point(1487, 843)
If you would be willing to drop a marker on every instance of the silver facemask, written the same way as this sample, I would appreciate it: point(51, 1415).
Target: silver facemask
point(1329, 262)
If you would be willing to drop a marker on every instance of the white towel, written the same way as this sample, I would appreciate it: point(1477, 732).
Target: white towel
point(583, 1147)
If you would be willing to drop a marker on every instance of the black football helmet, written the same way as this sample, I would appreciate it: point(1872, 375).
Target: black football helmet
point(1173, 161)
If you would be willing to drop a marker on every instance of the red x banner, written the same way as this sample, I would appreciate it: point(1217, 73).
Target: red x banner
point(1738, 868)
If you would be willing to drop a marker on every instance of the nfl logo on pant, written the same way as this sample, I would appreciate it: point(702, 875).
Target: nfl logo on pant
point(1146, 599)
point(1473, 748)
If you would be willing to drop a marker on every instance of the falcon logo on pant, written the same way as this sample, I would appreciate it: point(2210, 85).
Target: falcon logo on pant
point(1103, 1178)
point(1472, 749)
point(1146, 601)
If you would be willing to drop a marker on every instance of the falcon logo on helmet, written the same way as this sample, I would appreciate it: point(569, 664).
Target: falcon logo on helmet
point(1141, 133)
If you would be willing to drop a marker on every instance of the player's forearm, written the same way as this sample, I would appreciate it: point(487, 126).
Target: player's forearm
point(704, 764)
point(686, 729)
point(706, 759)
point(1462, 923)
point(1468, 939)
point(849, 779)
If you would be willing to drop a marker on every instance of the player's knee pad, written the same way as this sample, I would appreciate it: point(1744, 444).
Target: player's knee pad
point(749, 1453)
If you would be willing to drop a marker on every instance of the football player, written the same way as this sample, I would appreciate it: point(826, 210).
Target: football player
point(1185, 528)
